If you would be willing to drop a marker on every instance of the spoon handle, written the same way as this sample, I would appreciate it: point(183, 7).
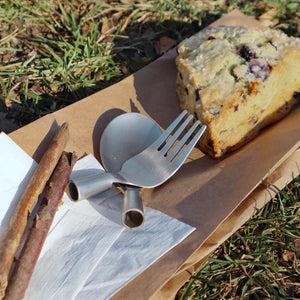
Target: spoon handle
point(88, 186)
point(133, 212)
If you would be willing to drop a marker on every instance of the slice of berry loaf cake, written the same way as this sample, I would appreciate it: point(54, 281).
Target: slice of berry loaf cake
point(237, 80)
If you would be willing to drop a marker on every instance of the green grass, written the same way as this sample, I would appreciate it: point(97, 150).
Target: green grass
point(54, 53)
point(53, 57)
point(260, 261)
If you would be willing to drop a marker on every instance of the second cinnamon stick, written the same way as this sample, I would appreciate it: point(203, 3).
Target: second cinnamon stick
point(25, 264)
point(12, 237)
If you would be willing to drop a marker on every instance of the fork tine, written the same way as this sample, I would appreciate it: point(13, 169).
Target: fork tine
point(184, 154)
point(178, 147)
point(174, 137)
point(167, 132)
point(180, 159)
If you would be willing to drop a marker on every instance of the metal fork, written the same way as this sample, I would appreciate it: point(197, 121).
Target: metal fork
point(148, 169)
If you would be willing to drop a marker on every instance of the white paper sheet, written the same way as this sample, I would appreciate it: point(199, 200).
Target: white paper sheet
point(88, 254)
point(16, 168)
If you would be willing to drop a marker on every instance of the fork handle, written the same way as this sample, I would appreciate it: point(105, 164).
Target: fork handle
point(88, 186)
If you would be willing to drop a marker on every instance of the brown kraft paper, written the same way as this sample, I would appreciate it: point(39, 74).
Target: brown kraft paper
point(215, 196)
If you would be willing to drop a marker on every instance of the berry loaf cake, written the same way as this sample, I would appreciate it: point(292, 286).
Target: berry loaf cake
point(237, 80)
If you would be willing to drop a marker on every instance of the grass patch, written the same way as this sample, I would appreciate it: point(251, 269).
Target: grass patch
point(53, 56)
point(260, 261)
point(54, 53)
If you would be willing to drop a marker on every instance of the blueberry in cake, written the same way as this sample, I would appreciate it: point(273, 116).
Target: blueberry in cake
point(237, 80)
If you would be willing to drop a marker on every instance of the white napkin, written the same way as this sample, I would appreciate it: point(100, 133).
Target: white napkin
point(88, 254)
point(16, 168)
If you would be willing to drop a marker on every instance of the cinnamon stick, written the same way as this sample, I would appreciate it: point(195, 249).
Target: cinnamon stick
point(11, 239)
point(25, 264)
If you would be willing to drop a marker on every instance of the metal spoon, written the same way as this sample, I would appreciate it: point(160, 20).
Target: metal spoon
point(124, 137)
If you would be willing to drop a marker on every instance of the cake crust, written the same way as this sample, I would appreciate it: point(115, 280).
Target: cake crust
point(237, 81)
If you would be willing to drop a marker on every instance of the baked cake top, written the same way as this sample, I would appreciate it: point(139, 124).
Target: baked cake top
point(215, 48)
point(219, 61)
